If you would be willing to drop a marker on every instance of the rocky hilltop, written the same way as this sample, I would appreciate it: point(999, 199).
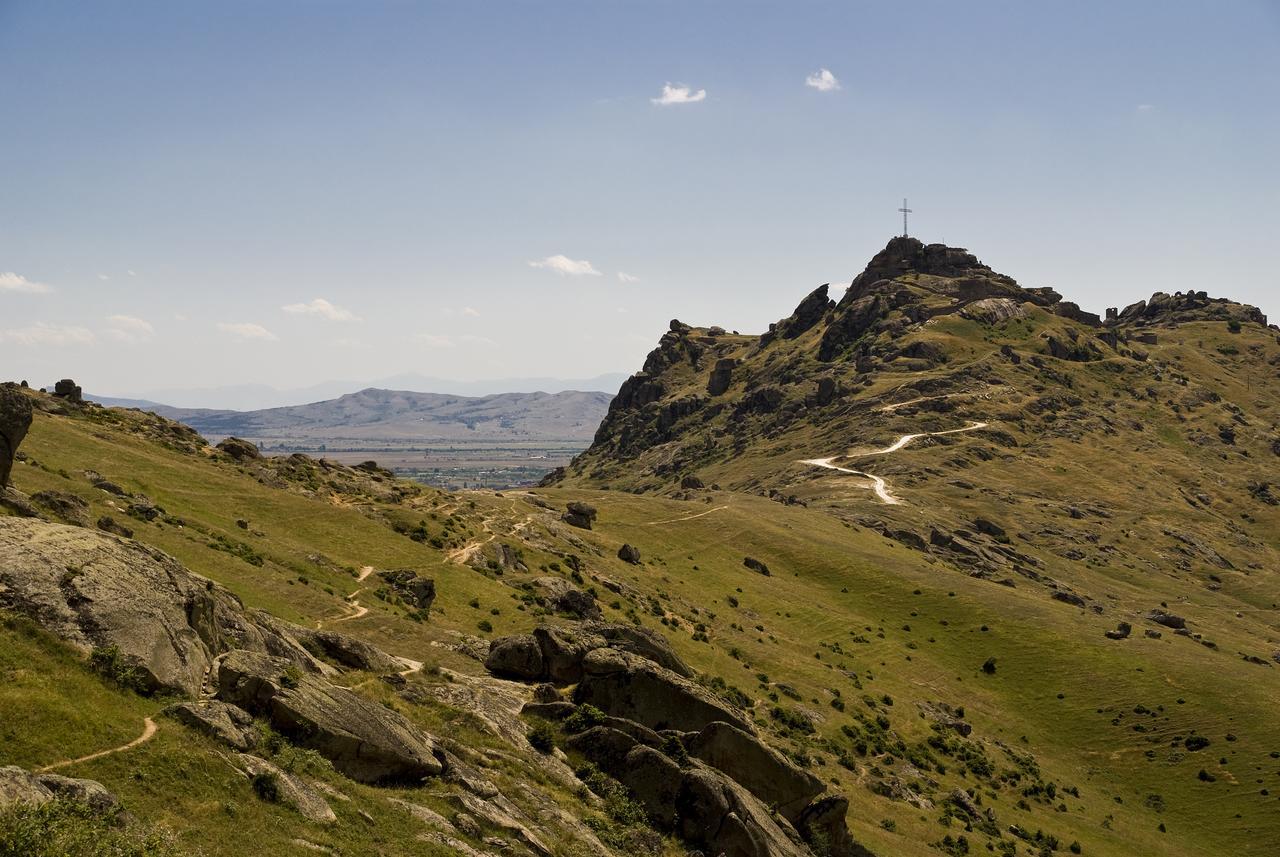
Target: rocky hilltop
point(920, 319)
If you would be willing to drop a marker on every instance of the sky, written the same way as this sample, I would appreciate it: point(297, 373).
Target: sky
point(199, 195)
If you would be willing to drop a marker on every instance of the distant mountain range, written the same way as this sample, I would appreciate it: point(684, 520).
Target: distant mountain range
point(398, 417)
point(249, 397)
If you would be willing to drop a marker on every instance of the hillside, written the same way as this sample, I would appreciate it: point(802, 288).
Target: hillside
point(943, 567)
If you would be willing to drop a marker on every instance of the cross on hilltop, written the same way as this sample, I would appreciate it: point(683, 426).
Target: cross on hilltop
point(905, 211)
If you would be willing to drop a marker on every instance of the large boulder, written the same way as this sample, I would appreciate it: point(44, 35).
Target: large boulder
point(34, 789)
point(239, 449)
point(563, 597)
point(223, 721)
point(555, 652)
point(69, 390)
point(580, 515)
point(100, 592)
point(760, 769)
point(15, 419)
point(629, 686)
point(419, 592)
point(717, 814)
point(702, 805)
point(721, 376)
point(366, 741)
point(517, 656)
point(291, 790)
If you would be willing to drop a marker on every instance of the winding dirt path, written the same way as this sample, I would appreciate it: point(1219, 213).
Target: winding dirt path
point(878, 484)
point(686, 517)
point(149, 730)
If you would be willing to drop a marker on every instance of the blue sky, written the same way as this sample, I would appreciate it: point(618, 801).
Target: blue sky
point(285, 193)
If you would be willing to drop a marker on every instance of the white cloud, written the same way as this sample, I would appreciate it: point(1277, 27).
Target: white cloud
point(678, 94)
point(624, 277)
point(564, 265)
point(103, 277)
point(822, 80)
point(1146, 108)
point(42, 333)
point(127, 328)
point(246, 330)
point(132, 273)
point(320, 306)
point(11, 282)
point(471, 311)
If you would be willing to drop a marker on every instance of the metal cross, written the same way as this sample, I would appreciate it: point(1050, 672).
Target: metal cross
point(905, 211)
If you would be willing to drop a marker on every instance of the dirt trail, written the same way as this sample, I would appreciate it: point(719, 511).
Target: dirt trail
point(149, 730)
point(463, 555)
point(686, 517)
point(365, 571)
point(878, 484)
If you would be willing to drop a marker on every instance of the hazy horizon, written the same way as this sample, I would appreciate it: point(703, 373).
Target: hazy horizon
point(204, 196)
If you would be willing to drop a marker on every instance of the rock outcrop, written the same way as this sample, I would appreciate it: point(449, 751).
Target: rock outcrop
point(634, 688)
point(100, 592)
point(555, 653)
point(419, 592)
point(366, 741)
point(755, 766)
point(15, 420)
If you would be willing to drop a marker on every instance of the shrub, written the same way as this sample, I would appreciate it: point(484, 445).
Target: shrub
point(266, 786)
point(542, 736)
point(108, 662)
point(63, 828)
point(583, 719)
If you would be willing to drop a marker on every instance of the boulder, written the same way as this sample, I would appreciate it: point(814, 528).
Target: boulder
point(579, 515)
point(347, 651)
point(562, 649)
point(108, 525)
point(419, 592)
point(823, 821)
point(293, 791)
point(18, 786)
point(227, 723)
point(97, 591)
point(720, 816)
point(758, 768)
point(643, 642)
point(1068, 598)
point(69, 390)
point(517, 656)
point(993, 310)
point(364, 740)
point(1168, 620)
point(721, 376)
point(239, 449)
point(563, 597)
point(629, 686)
point(67, 507)
point(555, 653)
point(691, 483)
point(629, 553)
point(1122, 631)
point(756, 565)
point(15, 419)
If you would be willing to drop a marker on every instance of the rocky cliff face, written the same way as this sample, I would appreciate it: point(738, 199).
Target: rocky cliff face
point(923, 315)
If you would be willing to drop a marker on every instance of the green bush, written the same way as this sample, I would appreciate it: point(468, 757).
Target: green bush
point(542, 736)
point(266, 786)
point(63, 828)
point(116, 668)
